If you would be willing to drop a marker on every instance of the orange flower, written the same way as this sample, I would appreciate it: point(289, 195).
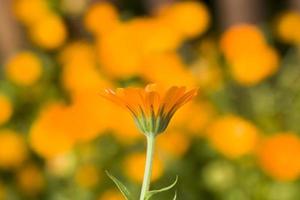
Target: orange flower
point(111, 195)
point(233, 136)
point(152, 112)
point(101, 18)
point(247, 37)
point(278, 156)
point(24, 68)
point(49, 32)
point(13, 151)
point(189, 18)
point(133, 166)
point(173, 145)
point(30, 11)
point(287, 27)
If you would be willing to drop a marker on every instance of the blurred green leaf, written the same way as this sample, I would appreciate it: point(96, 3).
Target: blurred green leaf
point(175, 196)
point(154, 192)
point(121, 187)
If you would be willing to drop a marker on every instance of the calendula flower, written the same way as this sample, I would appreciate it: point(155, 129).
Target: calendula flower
point(151, 110)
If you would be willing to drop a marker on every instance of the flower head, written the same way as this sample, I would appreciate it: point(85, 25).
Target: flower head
point(151, 110)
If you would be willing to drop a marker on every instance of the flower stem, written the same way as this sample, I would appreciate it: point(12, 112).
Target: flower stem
point(148, 166)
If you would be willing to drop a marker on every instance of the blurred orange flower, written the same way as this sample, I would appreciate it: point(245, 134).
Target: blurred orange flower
point(30, 180)
point(6, 109)
point(134, 167)
point(250, 58)
point(153, 35)
point(82, 75)
point(188, 18)
point(287, 27)
point(88, 116)
point(167, 69)
point(24, 68)
point(173, 144)
point(125, 130)
point(13, 149)
point(241, 39)
point(278, 156)
point(119, 52)
point(30, 11)
point(194, 117)
point(49, 32)
point(250, 69)
point(111, 195)
point(51, 133)
point(233, 136)
point(81, 51)
point(101, 18)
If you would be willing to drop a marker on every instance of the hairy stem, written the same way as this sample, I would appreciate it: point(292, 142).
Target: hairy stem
point(148, 165)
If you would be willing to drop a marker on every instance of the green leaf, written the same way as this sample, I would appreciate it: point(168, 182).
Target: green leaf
point(121, 186)
point(175, 196)
point(154, 192)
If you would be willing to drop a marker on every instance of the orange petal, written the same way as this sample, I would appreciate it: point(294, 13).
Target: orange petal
point(171, 97)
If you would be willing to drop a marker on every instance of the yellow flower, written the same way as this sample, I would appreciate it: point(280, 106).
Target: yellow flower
point(278, 156)
point(233, 136)
point(87, 176)
point(101, 17)
point(25, 68)
point(6, 109)
point(151, 110)
point(111, 195)
point(30, 11)
point(30, 180)
point(51, 133)
point(189, 18)
point(13, 149)
point(134, 167)
point(287, 27)
point(49, 32)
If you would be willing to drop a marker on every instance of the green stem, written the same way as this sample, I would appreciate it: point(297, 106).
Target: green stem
point(148, 165)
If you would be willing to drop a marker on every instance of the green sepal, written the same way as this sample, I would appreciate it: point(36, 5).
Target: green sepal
point(127, 195)
point(154, 192)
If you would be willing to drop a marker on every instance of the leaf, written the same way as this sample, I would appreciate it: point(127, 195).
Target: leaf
point(175, 196)
point(121, 186)
point(154, 192)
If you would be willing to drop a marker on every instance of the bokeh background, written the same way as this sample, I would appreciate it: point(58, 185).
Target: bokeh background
point(238, 140)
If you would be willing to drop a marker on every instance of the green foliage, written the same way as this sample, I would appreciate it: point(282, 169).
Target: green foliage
point(127, 195)
point(151, 193)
